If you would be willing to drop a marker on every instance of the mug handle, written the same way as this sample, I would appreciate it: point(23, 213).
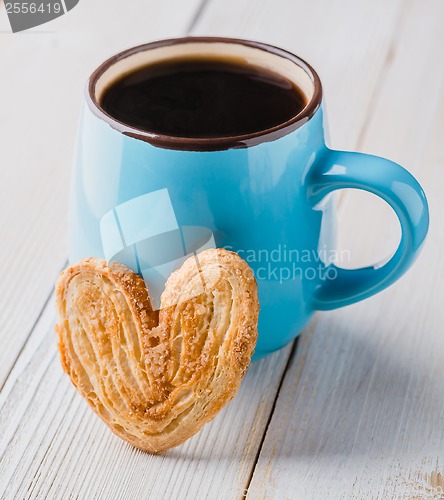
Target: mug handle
point(396, 186)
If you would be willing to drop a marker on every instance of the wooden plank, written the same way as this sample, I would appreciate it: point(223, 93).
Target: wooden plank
point(43, 73)
point(361, 410)
point(53, 446)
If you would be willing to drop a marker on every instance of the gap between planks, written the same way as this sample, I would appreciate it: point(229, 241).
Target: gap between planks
point(389, 56)
point(197, 16)
point(400, 443)
point(38, 334)
point(292, 354)
point(295, 355)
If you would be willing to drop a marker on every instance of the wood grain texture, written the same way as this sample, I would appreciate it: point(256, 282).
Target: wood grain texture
point(53, 446)
point(361, 411)
point(42, 88)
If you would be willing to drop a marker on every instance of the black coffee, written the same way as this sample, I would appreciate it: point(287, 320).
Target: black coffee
point(203, 98)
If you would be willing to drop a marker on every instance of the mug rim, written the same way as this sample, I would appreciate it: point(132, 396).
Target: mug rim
point(208, 143)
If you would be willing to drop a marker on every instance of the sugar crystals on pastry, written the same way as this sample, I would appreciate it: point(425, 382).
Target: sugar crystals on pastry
point(156, 377)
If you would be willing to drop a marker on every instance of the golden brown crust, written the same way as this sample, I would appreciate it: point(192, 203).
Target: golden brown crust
point(156, 378)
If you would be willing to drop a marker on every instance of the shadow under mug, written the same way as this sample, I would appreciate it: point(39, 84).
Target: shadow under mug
point(265, 195)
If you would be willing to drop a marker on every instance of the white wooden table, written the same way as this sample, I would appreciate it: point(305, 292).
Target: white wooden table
point(356, 409)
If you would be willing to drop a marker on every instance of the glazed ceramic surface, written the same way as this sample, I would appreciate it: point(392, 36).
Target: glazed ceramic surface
point(149, 204)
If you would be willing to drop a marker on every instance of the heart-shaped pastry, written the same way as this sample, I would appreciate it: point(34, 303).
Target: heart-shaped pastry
point(155, 377)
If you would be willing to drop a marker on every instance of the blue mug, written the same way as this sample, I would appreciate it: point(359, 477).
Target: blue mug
point(266, 195)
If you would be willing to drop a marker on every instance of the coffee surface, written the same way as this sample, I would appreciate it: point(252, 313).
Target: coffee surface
point(203, 98)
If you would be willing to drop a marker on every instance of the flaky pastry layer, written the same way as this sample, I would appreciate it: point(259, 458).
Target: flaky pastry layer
point(155, 378)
